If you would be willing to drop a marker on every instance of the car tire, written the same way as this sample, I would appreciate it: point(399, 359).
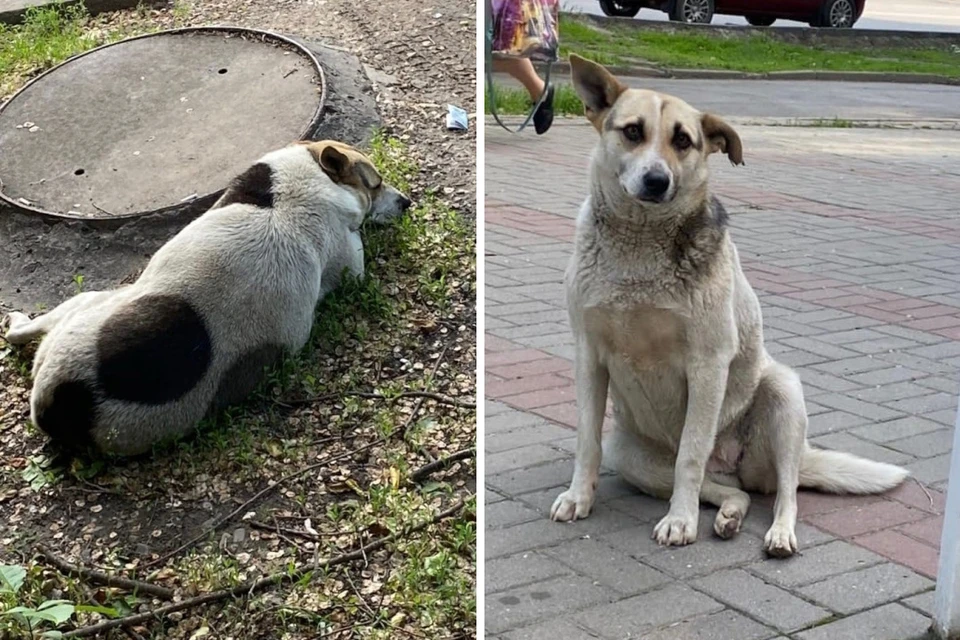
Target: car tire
point(760, 21)
point(616, 9)
point(837, 14)
point(692, 11)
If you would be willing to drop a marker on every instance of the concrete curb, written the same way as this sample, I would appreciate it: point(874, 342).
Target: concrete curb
point(806, 35)
point(12, 11)
point(640, 71)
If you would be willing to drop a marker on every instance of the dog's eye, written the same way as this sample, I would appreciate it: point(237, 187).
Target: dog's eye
point(682, 141)
point(633, 132)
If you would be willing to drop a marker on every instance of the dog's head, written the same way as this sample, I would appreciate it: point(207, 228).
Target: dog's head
point(354, 172)
point(655, 144)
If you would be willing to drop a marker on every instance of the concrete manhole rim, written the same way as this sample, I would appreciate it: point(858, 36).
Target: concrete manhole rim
point(113, 220)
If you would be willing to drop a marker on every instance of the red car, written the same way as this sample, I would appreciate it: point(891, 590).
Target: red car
point(759, 13)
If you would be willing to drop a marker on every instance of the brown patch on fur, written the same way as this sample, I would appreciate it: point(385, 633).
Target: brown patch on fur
point(645, 337)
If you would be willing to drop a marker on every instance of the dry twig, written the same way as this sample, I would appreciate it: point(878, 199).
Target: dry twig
point(442, 463)
point(99, 577)
point(253, 586)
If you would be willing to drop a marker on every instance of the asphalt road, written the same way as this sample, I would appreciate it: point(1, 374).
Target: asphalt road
point(901, 15)
point(807, 99)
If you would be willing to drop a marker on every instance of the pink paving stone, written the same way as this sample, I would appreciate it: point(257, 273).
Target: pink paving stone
point(495, 344)
point(811, 503)
point(865, 518)
point(927, 530)
point(565, 414)
point(910, 493)
point(520, 354)
point(953, 333)
point(531, 368)
point(849, 301)
point(876, 314)
point(929, 324)
point(818, 295)
point(543, 397)
point(931, 312)
point(771, 287)
point(525, 385)
point(920, 557)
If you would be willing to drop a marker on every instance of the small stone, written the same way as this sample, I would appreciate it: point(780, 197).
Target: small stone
point(239, 535)
point(142, 550)
point(33, 129)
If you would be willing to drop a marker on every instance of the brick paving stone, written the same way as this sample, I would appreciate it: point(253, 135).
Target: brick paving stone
point(723, 625)
point(926, 445)
point(770, 605)
point(496, 463)
point(922, 603)
point(852, 444)
point(889, 622)
point(521, 606)
point(870, 587)
point(927, 530)
point(902, 549)
point(521, 569)
point(859, 520)
point(534, 434)
point(931, 470)
point(831, 421)
point(884, 432)
point(631, 617)
point(518, 481)
point(507, 513)
point(607, 566)
point(815, 564)
point(553, 630)
point(528, 536)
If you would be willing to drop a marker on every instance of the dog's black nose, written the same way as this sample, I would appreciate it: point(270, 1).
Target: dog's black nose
point(655, 184)
point(405, 203)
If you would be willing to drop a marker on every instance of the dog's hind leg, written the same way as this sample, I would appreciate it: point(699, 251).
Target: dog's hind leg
point(22, 329)
point(650, 469)
point(777, 424)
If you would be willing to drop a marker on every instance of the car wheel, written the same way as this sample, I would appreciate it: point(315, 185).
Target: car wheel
point(838, 14)
point(698, 11)
point(618, 9)
point(760, 21)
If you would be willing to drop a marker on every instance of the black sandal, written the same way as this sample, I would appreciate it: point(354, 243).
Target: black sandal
point(543, 117)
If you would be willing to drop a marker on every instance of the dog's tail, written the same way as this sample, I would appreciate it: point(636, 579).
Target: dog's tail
point(839, 472)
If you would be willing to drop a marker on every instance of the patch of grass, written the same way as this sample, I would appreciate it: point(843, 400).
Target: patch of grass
point(754, 54)
point(511, 101)
point(47, 37)
point(829, 123)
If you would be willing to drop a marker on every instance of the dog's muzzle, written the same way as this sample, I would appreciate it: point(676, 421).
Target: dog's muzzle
point(655, 186)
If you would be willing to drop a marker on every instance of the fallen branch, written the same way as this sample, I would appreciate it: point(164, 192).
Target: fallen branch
point(442, 463)
point(99, 577)
point(253, 586)
point(442, 399)
point(290, 476)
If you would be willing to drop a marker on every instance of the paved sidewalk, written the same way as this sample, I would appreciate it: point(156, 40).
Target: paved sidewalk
point(852, 240)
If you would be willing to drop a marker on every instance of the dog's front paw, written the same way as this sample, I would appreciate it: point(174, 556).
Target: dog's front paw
point(572, 505)
point(14, 321)
point(676, 530)
point(780, 541)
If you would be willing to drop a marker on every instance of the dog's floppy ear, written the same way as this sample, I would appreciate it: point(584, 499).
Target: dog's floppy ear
point(720, 136)
point(334, 162)
point(597, 88)
point(368, 175)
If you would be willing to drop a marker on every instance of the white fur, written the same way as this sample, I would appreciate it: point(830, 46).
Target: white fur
point(254, 274)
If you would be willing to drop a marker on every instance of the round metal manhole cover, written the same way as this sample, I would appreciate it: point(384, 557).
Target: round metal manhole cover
point(153, 122)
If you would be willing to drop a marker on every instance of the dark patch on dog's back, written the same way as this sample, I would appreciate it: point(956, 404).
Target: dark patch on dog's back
point(153, 350)
point(244, 375)
point(253, 186)
point(69, 414)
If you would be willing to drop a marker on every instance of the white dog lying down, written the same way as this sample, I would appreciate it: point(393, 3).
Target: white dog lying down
point(665, 320)
point(126, 369)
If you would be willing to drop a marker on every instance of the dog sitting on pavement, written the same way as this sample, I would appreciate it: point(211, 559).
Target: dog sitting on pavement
point(665, 321)
point(129, 368)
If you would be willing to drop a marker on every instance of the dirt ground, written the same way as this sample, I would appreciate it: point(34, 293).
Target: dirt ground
point(212, 512)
